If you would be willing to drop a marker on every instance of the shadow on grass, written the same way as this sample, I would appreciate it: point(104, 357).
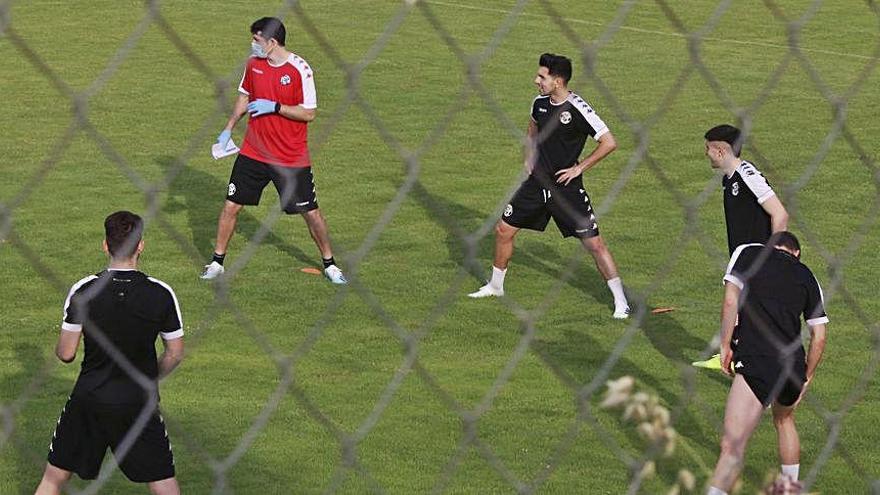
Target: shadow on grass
point(459, 220)
point(575, 354)
point(200, 195)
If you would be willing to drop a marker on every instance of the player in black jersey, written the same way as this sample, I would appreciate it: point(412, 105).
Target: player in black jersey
point(751, 208)
point(767, 291)
point(561, 121)
point(118, 312)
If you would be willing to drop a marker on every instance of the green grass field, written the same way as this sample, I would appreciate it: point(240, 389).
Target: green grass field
point(355, 413)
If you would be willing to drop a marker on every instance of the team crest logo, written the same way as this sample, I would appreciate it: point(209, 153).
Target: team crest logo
point(231, 189)
point(565, 117)
point(285, 80)
point(508, 210)
point(734, 188)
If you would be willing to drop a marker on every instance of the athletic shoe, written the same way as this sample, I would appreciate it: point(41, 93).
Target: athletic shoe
point(212, 271)
point(486, 291)
point(621, 314)
point(335, 275)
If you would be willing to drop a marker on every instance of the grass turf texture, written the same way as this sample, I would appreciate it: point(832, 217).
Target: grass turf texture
point(156, 108)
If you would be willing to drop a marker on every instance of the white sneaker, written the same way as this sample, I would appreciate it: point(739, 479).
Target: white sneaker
point(335, 275)
point(621, 313)
point(486, 291)
point(212, 271)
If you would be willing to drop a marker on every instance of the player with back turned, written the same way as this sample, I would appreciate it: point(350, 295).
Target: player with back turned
point(767, 291)
point(119, 313)
point(561, 121)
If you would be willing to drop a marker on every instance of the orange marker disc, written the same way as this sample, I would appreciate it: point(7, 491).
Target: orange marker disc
point(310, 271)
point(660, 311)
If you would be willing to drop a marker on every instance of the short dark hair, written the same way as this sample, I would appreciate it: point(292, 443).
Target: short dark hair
point(123, 231)
point(727, 133)
point(270, 27)
point(785, 239)
point(557, 65)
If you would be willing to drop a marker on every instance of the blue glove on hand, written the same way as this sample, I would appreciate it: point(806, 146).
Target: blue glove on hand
point(224, 138)
point(261, 107)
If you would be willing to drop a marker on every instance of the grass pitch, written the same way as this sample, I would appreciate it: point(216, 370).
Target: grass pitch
point(413, 161)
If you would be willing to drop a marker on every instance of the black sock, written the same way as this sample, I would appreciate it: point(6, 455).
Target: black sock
point(219, 258)
point(328, 261)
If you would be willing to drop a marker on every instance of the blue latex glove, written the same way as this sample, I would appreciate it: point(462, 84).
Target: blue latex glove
point(261, 107)
point(224, 138)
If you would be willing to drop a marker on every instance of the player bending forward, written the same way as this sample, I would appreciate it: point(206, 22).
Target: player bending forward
point(769, 289)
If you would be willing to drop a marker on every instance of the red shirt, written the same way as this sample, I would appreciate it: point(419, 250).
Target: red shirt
point(272, 138)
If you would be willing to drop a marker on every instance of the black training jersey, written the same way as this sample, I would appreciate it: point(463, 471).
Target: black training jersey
point(120, 312)
point(776, 290)
point(744, 192)
point(563, 130)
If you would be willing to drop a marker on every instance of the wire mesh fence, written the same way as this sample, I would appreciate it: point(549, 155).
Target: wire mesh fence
point(587, 394)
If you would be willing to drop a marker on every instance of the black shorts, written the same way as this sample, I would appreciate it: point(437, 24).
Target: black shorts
point(772, 380)
point(295, 185)
point(533, 204)
point(85, 430)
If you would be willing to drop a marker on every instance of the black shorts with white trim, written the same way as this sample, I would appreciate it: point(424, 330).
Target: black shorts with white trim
point(773, 379)
point(295, 185)
point(85, 430)
point(534, 203)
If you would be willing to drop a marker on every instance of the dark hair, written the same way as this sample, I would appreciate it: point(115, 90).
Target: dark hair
point(785, 239)
point(727, 133)
point(557, 65)
point(270, 27)
point(123, 231)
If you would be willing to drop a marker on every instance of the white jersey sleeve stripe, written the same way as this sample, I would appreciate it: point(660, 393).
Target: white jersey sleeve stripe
point(820, 320)
point(728, 272)
point(755, 182)
point(71, 327)
point(241, 84)
point(589, 115)
point(70, 294)
point(734, 280)
point(176, 306)
point(307, 78)
point(172, 335)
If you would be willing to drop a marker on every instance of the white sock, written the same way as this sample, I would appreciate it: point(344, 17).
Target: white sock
point(497, 277)
point(616, 286)
point(715, 491)
point(792, 470)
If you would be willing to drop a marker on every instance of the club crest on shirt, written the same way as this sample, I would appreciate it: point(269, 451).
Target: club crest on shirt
point(734, 188)
point(285, 80)
point(508, 210)
point(565, 117)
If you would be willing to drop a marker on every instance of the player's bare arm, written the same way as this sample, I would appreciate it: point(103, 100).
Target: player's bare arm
point(817, 348)
point(239, 109)
point(729, 310)
point(530, 148)
point(68, 342)
point(606, 145)
point(171, 357)
point(297, 112)
point(778, 214)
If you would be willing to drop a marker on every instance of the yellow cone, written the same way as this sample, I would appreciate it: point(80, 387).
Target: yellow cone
point(713, 363)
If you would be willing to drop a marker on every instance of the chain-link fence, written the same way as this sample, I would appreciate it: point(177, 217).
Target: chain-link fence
point(668, 23)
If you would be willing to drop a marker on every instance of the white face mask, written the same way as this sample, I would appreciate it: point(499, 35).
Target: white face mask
point(258, 51)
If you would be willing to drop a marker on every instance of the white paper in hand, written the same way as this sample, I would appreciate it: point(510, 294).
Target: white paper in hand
point(219, 152)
